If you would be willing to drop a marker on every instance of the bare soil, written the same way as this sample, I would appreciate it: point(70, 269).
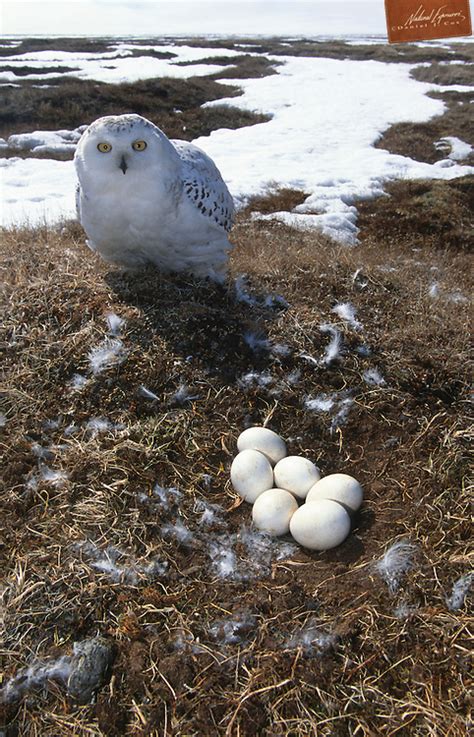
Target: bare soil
point(375, 660)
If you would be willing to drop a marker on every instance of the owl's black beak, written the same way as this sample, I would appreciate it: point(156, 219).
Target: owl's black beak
point(123, 164)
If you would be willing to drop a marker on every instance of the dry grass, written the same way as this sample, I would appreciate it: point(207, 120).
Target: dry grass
point(384, 670)
point(432, 214)
point(444, 74)
point(417, 140)
point(274, 200)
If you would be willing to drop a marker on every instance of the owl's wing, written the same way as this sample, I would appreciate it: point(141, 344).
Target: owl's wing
point(204, 186)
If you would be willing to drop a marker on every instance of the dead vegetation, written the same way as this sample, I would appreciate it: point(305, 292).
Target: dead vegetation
point(417, 140)
point(432, 214)
point(275, 200)
point(445, 73)
point(317, 643)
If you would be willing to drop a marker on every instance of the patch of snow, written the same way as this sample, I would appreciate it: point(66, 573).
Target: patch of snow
point(125, 68)
point(340, 166)
point(335, 224)
point(3, 420)
point(444, 163)
point(459, 150)
point(61, 141)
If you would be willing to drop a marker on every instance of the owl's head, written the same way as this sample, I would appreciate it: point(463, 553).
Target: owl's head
point(121, 145)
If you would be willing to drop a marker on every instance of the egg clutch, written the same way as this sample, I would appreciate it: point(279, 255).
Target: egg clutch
point(263, 474)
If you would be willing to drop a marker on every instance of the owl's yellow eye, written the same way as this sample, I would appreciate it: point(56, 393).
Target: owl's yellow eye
point(139, 145)
point(104, 148)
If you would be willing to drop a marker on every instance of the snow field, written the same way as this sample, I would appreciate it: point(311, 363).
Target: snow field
point(116, 66)
point(326, 116)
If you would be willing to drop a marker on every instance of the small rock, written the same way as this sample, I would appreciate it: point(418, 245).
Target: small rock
point(90, 668)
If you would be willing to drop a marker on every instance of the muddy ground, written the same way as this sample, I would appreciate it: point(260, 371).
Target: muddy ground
point(213, 629)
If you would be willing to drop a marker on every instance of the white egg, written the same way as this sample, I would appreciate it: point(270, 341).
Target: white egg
point(251, 474)
point(320, 525)
point(273, 511)
point(296, 474)
point(264, 440)
point(340, 488)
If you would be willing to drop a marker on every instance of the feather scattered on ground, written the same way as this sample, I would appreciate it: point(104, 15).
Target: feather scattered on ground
point(395, 563)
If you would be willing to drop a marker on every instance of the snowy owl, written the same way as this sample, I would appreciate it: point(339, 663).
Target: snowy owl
point(142, 198)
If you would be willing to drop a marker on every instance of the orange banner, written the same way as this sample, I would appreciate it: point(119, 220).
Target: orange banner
point(423, 20)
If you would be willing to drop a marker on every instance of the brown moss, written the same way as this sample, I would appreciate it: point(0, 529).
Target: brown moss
point(417, 140)
point(431, 213)
point(444, 73)
point(280, 199)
